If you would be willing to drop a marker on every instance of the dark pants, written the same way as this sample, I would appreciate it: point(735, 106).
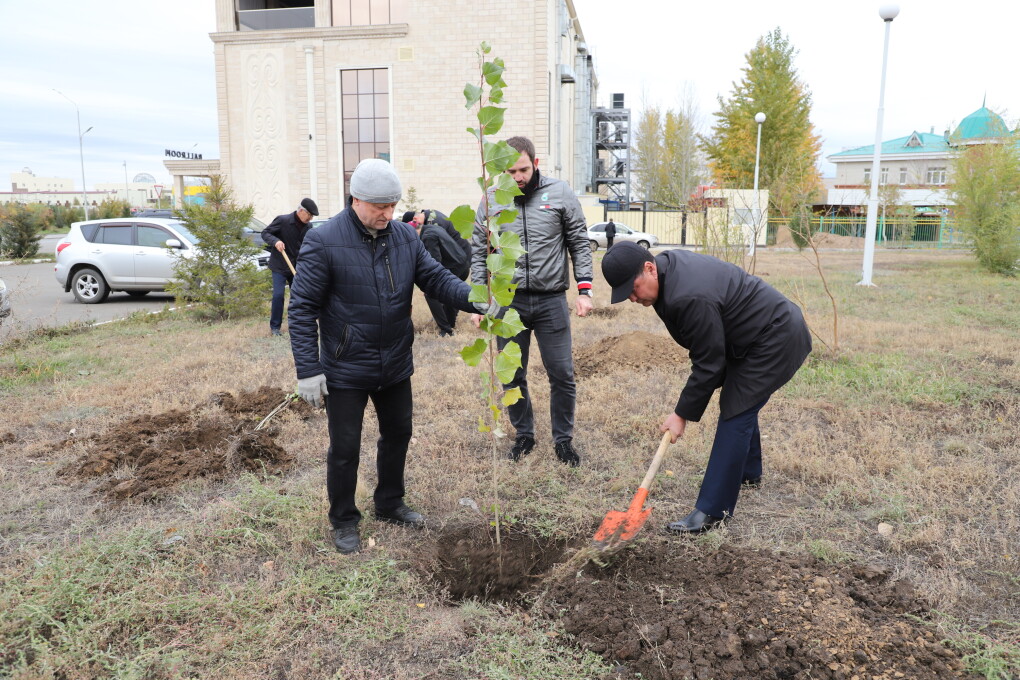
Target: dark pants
point(346, 412)
point(736, 456)
point(280, 283)
point(609, 242)
point(445, 316)
point(547, 316)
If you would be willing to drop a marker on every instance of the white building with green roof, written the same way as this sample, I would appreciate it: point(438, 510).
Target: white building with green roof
point(917, 164)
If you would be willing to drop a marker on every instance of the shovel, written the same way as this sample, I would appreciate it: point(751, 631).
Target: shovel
point(620, 527)
point(287, 260)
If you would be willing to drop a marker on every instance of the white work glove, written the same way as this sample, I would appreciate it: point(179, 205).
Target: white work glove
point(492, 308)
point(313, 390)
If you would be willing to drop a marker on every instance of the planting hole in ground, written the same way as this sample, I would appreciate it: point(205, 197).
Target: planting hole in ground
point(470, 565)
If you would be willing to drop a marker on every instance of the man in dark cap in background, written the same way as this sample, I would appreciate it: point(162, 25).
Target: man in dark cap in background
point(445, 245)
point(285, 234)
point(743, 335)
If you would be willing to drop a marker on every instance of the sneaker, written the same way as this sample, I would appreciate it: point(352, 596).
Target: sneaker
point(347, 540)
point(566, 453)
point(402, 516)
point(522, 447)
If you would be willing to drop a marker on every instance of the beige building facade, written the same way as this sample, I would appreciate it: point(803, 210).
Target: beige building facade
point(300, 105)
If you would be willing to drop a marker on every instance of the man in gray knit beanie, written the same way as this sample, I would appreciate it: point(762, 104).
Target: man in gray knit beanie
point(351, 334)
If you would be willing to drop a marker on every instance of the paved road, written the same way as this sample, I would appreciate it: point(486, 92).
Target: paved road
point(39, 301)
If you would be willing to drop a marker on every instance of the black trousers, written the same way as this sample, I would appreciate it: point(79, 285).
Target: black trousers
point(445, 316)
point(346, 412)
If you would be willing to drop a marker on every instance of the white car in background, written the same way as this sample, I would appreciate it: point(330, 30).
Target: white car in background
point(5, 301)
point(597, 236)
point(130, 254)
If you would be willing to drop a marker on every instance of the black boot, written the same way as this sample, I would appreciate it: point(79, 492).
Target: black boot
point(347, 540)
point(695, 523)
point(522, 447)
point(403, 516)
point(566, 453)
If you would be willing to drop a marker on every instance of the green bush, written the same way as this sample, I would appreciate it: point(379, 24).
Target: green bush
point(19, 231)
point(222, 276)
point(986, 192)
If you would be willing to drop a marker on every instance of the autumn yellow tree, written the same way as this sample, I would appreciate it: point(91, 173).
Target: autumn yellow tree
point(789, 146)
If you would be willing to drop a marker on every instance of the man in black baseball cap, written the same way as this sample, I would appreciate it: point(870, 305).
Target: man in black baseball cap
point(743, 335)
point(284, 235)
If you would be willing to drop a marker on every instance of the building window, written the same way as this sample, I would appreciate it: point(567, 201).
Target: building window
point(903, 175)
point(365, 108)
point(867, 175)
point(883, 177)
point(369, 12)
point(936, 176)
point(272, 15)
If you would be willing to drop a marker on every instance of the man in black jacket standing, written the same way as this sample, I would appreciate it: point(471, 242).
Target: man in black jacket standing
point(446, 247)
point(285, 234)
point(351, 334)
point(743, 335)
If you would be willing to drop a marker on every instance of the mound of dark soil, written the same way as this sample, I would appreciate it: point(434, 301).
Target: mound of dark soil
point(740, 613)
point(259, 403)
point(638, 350)
point(470, 565)
point(142, 457)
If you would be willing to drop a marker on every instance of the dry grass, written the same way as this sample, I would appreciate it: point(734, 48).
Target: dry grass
point(915, 422)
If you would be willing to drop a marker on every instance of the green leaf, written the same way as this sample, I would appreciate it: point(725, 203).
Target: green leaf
point(497, 263)
point(472, 354)
point(463, 218)
point(504, 296)
point(479, 293)
point(486, 47)
point(493, 71)
point(509, 326)
point(506, 216)
point(511, 396)
point(509, 243)
point(496, 95)
point(472, 93)
point(476, 133)
point(506, 189)
point(482, 427)
point(490, 119)
point(507, 362)
point(499, 157)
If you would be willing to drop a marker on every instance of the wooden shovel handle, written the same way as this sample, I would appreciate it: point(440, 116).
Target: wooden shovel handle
point(657, 461)
point(287, 260)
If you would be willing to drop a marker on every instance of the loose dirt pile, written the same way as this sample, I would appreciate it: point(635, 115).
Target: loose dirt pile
point(635, 351)
point(143, 456)
point(740, 613)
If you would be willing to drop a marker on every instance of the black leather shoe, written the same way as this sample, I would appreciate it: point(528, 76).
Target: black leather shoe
point(403, 516)
point(347, 540)
point(695, 523)
point(275, 332)
point(566, 453)
point(522, 447)
point(751, 483)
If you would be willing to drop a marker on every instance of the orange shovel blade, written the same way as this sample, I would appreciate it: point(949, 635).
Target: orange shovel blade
point(619, 527)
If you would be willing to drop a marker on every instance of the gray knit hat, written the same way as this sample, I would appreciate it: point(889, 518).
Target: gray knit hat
point(375, 181)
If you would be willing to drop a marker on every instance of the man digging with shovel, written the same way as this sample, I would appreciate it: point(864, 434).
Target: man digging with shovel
point(743, 335)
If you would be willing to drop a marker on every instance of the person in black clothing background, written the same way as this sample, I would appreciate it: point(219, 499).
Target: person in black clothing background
point(446, 247)
point(286, 234)
point(610, 233)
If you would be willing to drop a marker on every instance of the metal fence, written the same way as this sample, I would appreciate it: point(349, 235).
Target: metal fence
point(677, 227)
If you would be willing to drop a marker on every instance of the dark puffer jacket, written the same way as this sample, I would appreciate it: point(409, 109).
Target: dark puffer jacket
point(350, 305)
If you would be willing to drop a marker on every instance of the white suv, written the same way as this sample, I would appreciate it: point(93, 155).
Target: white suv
point(131, 254)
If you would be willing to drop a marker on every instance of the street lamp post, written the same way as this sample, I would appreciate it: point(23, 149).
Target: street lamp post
point(759, 118)
point(888, 13)
point(81, 152)
point(127, 192)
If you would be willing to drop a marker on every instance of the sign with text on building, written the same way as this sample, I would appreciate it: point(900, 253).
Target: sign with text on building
point(185, 155)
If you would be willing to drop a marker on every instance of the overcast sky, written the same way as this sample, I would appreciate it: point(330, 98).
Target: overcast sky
point(142, 72)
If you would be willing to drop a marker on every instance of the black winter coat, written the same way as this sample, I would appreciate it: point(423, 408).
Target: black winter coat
point(350, 304)
point(743, 335)
point(290, 230)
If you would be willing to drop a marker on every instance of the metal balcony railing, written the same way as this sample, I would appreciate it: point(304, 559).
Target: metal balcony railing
point(275, 19)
